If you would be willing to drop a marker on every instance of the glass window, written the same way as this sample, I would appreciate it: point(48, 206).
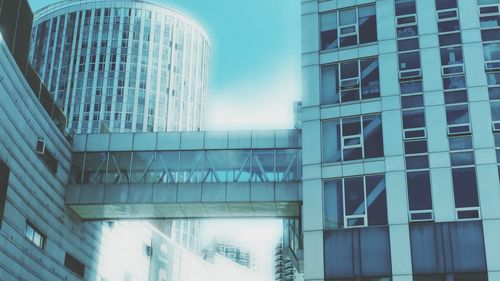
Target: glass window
point(454, 82)
point(412, 101)
point(239, 162)
point(329, 37)
point(450, 39)
point(331, 141)
point(465, 187)
point(411, 87)
point(457, 114)
point(452, 97)
point(330, 84)
point(118, 167)
point(419, 191)
point(352, 139)
point(405, 7)
point(34, 235)
point(262, 166)
point(358, 80)
point(287, 167)
point(451, 55)
point(495, 111)
point(491, 51)
point(448, 26)
point(445, 4)
point(372, 136)
point(409, 61)
point(215, 166)
point(355, 201)
point(413, 119)
point(367, 24)
point(96, 164)
point(334, 204)
point(370, 82)
point(348, 27)
point(191, 167)
point(408, 45)
point(4, 184)
point(167, 166)
point(143, 165)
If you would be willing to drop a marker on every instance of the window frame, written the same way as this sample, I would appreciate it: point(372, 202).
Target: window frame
point(30, 227)
point(339, 27)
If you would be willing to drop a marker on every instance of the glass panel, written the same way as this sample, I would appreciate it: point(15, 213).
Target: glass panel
point(465, 187)
point(407, 31)
point(454, 82)
point(411, 87)
point(329, 37)
point(450, 39)
point(351, 126)
point(348, 18)
point(462, 158)
point(417, 162)
point(471, 276)
point(77, 167)
point(449, 25)
point(412, 101)
point(286, 165)
point(405, 7)
point(376, 200)
point(95, 167)
point(367, 24)
point(490, 35)
point(408, 45)
point(262, 166)
point(460, 143)
point(167, 166)
point(413, 119)
point(416, 147)
point(191, 167)
point(445, 4)
point(491, 51)
point(238, 165)
point(331, 141)
point(495, 111)
point(118, 167)
point(370, 82)
point(452, 55)
point(329, 84)
point(419, 191)
point(409, 61)
point(143, 164)
point(349, 70)
point(372, 136)
point(333, 206)
point(457, 114)
point(215, 166)
point(354, 196)
point(490, 21)
point(436, 277)
point(455, 97)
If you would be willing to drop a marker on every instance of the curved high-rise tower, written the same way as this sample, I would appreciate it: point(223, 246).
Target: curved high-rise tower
point(123, 66)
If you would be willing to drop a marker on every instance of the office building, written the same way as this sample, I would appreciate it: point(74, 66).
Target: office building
point(402, 95)
point(123, 66)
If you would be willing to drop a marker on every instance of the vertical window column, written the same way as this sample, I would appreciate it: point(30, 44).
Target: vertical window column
point(412, 102)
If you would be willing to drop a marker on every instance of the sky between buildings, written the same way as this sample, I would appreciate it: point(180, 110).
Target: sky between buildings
point(254, 80)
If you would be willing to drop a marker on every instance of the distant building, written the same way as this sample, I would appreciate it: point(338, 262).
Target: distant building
point(239, 255)
point(125, 66)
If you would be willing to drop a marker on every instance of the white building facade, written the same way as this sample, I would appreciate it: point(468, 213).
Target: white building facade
point(123, 66)
point(402, 95)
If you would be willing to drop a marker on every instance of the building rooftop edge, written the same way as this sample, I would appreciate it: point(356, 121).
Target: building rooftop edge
point(62, 4)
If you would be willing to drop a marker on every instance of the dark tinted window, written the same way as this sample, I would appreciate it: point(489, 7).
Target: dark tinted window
point(4, 182)
point(74, 265)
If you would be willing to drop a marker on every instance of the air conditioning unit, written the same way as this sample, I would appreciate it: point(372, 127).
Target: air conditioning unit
point(40, 146)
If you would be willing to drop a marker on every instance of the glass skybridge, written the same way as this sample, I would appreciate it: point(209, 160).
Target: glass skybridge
point(186, 175)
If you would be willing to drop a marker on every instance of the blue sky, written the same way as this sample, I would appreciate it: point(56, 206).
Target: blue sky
point(255, 73)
